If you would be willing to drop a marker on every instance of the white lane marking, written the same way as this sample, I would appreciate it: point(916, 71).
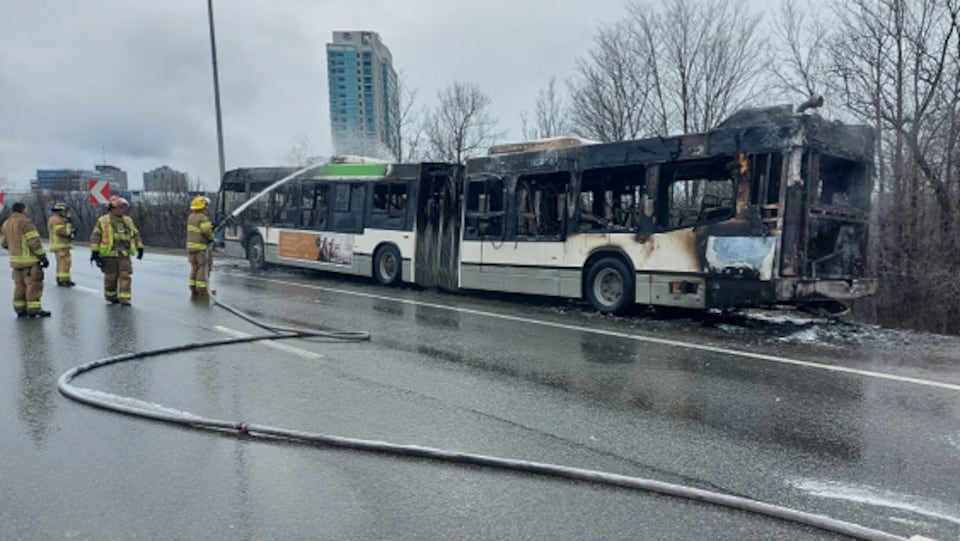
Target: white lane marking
point(877, 497)
point(638, 338)
point(275, 345)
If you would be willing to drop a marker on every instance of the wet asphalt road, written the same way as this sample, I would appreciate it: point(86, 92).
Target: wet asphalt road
point(714, 403)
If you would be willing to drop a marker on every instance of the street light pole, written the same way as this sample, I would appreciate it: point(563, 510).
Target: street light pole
point(216, 90)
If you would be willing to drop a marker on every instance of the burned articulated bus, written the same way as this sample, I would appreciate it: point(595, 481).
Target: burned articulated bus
point(769, 208)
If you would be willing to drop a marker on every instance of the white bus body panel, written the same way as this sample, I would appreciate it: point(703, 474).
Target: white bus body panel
point(362, 249)
point(556, 267)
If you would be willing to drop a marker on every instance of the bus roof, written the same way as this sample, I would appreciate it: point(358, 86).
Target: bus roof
point(351, 170)
point(356, 172)
point(769, 129)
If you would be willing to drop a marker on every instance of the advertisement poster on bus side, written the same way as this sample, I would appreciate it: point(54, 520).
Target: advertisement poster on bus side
point(334, 248)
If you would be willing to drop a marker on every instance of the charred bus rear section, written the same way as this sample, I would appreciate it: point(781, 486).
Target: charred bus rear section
point(771, 207)
point(807, 183)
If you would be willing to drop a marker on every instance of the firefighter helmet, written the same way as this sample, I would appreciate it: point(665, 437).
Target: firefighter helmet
point(116, 201)
point(199, 203)
point(59, 207)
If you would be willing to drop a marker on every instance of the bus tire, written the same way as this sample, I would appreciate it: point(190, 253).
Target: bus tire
point(387, 265)
point(609, 286)
point(255, 253)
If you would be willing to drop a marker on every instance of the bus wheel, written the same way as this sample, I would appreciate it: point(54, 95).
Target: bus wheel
point(609, 287)
point(387, 265)
point(255, 254)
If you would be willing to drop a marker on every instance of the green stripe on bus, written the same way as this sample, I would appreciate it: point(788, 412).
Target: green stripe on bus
point(352, 170)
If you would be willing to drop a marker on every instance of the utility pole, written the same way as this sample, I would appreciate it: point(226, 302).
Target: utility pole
point(216, 90)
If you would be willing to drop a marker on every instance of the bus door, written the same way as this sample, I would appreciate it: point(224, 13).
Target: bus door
point(438, 227)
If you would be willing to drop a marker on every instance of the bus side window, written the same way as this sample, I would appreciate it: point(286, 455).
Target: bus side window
point(540, 204)
point(381, 196)
point(285, 205)
point(389, 205)
point(348, 208)
point(313, 207)
point(696, 192)
point(306, 206)
point(611, 199)
point(485, 210)
point(320, 207)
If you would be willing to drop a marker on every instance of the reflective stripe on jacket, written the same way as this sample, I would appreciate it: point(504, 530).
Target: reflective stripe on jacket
point(60, 229)
point(20, 237)
point(199, 231)
point(115, 236)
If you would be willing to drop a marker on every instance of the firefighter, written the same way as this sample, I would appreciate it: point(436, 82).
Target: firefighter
point(114, 239)
point(199, 236)
point(60, 228)
point(27, 258)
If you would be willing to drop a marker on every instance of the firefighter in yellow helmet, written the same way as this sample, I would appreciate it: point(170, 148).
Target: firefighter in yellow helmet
point(27, 258)
point(60, 228)
point(199, 236)
point(114, 239)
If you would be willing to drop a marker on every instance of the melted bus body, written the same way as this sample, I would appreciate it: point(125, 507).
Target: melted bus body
point(769, 208)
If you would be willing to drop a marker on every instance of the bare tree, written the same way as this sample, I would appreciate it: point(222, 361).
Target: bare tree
point(407, 126)
point(610, 90)
point(707, 58)
point(679, 66)
point(799, 61)
point(459, 127)
point(550, 114)
point(896, 64)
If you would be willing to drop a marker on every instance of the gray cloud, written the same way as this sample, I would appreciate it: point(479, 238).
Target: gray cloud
point(132, 80)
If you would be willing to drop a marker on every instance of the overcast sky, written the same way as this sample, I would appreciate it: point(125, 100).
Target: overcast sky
point(131, 82)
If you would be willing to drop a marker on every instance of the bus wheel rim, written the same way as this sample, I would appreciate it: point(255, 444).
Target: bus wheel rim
point(608, 287)
point(256, 252)
point(388, 266)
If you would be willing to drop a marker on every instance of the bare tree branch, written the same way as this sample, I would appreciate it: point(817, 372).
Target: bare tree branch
point(460, 127)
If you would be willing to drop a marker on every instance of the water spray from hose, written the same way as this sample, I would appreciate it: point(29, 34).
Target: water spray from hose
point(239, 210)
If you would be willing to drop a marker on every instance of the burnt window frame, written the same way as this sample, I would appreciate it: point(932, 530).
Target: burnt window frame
point(672, 173)
point(621, 210)
point(315, 215)
point(538, 184)
point(285, 206)
point(476, 217)
point(857, 180)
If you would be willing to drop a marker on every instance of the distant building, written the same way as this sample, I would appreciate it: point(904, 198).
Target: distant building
point(164, 179)
point(118, 177)
point(364, 105)
point(71, 180)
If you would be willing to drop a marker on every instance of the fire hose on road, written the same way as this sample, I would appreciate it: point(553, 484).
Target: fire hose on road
point(131, 406)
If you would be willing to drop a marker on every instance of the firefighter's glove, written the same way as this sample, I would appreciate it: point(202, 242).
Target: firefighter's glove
point(95, 258)
point(139, 253)
point(44, 262)
point(73, 234)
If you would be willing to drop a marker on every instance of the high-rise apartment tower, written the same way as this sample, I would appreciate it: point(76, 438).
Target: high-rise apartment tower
point(364, 105)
